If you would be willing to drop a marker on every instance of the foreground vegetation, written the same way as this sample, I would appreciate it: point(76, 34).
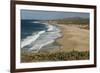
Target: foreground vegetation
point(54, 56)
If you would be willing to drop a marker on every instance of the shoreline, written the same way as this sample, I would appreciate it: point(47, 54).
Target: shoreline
point(42, 39)
point(72, 37)
point(74, 42)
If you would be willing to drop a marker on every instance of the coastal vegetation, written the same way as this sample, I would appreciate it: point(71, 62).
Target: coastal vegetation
point(73, 20)
point(54, 56)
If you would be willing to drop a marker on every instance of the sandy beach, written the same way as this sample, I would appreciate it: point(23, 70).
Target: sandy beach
point(73, 38)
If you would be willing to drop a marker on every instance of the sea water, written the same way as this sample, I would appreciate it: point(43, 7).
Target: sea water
point(36, 35)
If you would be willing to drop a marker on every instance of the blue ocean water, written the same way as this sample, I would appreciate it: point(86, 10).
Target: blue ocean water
point(30, 26)
point(36, 35)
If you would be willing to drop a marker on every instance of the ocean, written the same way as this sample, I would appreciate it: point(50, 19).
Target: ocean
point(36, 36)
point(30, 26)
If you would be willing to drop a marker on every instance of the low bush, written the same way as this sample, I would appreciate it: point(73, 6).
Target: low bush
point(54, 56)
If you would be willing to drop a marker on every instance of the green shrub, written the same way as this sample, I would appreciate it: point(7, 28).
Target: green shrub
point(54, 56)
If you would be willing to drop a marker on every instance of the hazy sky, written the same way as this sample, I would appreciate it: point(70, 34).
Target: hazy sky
point(43, 15)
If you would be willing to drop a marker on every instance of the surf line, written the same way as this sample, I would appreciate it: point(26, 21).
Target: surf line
point(42, 38)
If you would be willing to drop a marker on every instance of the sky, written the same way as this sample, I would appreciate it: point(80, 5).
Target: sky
point(47, 15)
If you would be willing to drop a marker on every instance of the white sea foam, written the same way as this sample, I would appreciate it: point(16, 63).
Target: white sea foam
point(50, 28)
point(37, 47)
point(43, 38)
point(28, 40)
point(35, 22)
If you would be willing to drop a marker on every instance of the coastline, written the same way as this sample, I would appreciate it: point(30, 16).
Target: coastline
point(72, 37)
point(35, 42)
point(74, 46)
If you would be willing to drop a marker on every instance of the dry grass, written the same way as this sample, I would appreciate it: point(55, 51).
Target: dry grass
point(54, 56)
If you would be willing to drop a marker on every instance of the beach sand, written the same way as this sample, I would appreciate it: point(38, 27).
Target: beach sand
point(73, 38)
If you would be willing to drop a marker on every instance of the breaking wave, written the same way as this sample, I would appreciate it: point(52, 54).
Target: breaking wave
point(42, 38)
